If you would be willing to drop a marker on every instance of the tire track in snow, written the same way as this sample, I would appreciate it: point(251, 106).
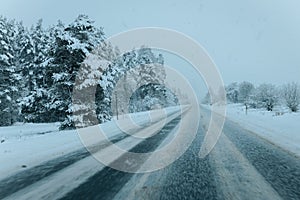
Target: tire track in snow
point(107, 183)
point(280, 168)
point(236, 178)
point(27, 177)
point(59, 184)
point(189, 177)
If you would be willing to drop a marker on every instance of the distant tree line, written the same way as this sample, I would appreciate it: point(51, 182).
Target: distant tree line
point(39, 66)
point(262, 96)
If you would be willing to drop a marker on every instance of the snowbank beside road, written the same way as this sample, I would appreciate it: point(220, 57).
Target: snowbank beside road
point(24, 130)
point(279, 127)
point(24, 146)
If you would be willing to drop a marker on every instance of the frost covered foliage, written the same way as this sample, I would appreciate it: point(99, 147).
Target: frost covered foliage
point(40, 68)
point(87, 89)
point(73, 44)
point(58, 53)
point(246, 90)
point(291, 95)
point(96, 88)
point(266, 96)
point(133, 69)
point(33, 105)
point(263, 96)
point(232, 92)
point(9, 74)
point(152, 96)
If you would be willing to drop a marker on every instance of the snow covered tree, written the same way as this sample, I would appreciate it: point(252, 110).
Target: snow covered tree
point(71, 47)
point(232, 92)
point(38, 68)
point(110, 76)
point(24, 62)
point(24, 56)
point(151, 96)
point(291, 95)
point(34, 105)
point(42, 41)
point(133, 69)
point(87, 82)
point(246, 89)
point(146, 69)
point(9, 76)
point(266, 96)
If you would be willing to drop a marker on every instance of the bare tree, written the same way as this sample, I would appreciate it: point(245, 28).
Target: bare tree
point(266, 96)
point(291, 95)
point(245, 91)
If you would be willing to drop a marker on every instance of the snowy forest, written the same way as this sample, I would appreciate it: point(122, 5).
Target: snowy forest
point(265, 95)
point(39, 66)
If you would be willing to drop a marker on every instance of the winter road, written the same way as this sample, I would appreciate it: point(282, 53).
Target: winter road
point(241, 166)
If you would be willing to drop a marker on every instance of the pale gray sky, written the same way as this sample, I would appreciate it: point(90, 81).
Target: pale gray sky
point(252, 40)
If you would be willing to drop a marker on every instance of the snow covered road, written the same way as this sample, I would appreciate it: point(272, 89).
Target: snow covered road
point(28, 177)
point(241, 166)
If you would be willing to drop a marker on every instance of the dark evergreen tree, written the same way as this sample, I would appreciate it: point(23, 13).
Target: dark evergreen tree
point(35, 105)
point(9, 76)
point(71, 47)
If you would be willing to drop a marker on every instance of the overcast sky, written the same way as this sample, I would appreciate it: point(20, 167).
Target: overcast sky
point(253, 40)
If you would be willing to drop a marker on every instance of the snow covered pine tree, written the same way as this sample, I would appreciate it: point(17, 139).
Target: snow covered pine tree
point(9, 76)
point(72, 46)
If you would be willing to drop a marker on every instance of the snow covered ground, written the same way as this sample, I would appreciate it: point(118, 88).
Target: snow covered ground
point(24, 146)
point(280, 126)
point(27, 145)
point(25, 130)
